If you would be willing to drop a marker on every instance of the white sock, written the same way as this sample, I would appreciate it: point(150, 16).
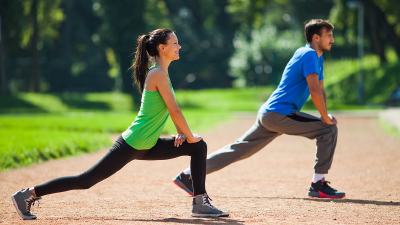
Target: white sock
point(317, 177)
point(187, 171)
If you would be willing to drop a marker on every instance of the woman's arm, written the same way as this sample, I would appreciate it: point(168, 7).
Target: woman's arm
point(180, 137)
point(158, 78)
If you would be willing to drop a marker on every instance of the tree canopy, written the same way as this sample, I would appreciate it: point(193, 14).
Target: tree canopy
point(88, 45)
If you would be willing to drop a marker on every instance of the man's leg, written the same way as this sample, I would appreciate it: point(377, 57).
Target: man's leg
point(251, 142)
point(305, 125)
point(302, 124)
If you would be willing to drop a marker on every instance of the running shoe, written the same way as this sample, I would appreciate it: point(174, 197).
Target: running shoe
point(321, 189)
point(184, 181)
point(203, 208)
point(23, 200)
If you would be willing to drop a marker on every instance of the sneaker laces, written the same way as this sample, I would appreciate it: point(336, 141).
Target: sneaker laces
point(31, 201)
point(328, 188)
point(206, 201)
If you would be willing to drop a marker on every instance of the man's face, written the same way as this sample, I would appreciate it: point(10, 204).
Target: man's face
point(326, 40)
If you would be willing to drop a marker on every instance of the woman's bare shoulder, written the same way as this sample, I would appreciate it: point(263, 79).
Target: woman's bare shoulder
point(156, 76)
point(156, 73)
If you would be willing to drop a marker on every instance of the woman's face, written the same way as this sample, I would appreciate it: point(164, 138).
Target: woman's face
point(171, 49)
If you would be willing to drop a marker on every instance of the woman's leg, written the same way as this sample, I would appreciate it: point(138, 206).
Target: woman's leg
point(119, 155)
point(165, 149)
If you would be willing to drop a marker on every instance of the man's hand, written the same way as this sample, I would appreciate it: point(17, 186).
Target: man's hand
point(179, 139)
point(330, 120)
point(333, 119)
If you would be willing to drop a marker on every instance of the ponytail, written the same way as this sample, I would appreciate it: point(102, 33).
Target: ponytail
point(141, 64)
point(147, 47)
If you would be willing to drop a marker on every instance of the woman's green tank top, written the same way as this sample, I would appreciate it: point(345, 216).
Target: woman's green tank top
point(148, 125)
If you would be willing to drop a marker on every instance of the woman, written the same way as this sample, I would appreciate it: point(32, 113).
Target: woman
point(141, 141)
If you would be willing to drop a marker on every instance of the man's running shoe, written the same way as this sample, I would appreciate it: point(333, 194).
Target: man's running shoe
point(184, 181)
point(321, 189)
point(203, 208)
point(23, 200)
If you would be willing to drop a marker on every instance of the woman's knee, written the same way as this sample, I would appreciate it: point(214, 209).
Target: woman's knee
point(84, 181)
point(201, 146)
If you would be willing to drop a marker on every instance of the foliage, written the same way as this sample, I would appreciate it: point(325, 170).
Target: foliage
point(87, 45)
point(341, 77)
point(49, 17)
point(260, 60)
point(262, 52)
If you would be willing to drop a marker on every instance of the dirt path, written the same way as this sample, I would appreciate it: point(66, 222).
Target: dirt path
point(269, 187)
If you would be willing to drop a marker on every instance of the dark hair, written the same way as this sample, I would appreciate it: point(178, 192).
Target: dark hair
point(315, 26)
point(147, 47)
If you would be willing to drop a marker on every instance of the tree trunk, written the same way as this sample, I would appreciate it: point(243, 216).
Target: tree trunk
point(35, 74)
point(67, 30)
point(376, 36)
point(3, 75)
point(4, 89)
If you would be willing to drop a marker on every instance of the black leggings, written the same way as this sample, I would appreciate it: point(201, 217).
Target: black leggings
point(121, 154)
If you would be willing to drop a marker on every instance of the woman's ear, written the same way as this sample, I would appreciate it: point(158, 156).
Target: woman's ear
point(161, 48)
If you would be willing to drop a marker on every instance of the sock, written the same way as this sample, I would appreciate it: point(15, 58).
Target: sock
point(317, 177)
point(187, 171)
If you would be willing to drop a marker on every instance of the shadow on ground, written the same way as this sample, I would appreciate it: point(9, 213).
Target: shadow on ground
point(337, 200)
point(220, 220)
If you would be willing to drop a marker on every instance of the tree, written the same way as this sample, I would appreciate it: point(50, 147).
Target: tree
point(123, 22)
point(382, 24)
point(205, 31)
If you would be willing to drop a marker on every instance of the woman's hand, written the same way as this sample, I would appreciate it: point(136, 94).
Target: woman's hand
point(179, 139)
point(196, 138)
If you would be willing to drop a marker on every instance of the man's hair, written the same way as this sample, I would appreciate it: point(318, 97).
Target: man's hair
point(315, 26)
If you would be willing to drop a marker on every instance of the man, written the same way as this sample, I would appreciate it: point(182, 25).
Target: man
point(302, 77)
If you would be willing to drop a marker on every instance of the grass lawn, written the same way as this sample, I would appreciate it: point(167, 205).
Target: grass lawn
point(38, 127)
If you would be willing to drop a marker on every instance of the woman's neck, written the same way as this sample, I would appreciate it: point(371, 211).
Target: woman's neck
point(162, 63)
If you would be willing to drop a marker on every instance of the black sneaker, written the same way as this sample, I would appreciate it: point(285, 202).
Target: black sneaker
point(321, 189)
point(184, 181)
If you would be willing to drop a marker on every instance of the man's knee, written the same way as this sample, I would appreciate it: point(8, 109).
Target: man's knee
point(334, 129)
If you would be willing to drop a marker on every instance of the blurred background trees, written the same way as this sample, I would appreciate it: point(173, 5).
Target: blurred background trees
point(62, 46)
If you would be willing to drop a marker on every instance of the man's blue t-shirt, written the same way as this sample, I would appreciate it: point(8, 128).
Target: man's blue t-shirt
point(293, 91)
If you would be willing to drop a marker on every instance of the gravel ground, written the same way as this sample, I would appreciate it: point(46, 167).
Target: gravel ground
point(267, 188)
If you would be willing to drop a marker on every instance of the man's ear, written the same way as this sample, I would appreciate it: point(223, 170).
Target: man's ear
point(316, 37)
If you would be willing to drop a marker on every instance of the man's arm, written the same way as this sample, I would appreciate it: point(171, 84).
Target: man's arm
point(318, 97)
point(321, 86)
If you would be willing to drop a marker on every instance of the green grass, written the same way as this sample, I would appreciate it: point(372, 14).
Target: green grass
point(390, 129)
point(22, 147)
point(112, 122)
point(67, 102)
point(228, 100)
